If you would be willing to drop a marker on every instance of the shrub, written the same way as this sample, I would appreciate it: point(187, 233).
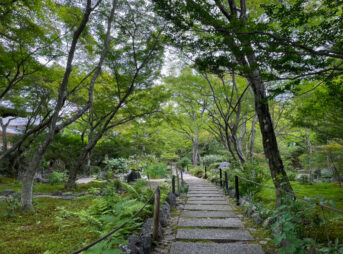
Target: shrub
point(11, 205)
point(56, 178)
point(117, 165)
point(214, 165)
point(156, 170)
point(212, 158)
point(291, 176)
point(183, 162)
point(197, 171)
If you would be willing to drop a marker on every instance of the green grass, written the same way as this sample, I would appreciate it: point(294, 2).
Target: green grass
point(329, 191)
point(40, 231)
point(7, 183)
point(318, 191)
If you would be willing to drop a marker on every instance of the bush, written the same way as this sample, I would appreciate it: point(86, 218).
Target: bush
point(117, 165)
point(214, 165)
point(56, 178)
point(212, 158)
point(183, 162)
point(291, 176)
point(197, 171)
point(156, 170)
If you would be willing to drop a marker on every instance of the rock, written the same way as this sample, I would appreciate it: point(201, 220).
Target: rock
point(7, 193)
point(147, 229)
point(135, 245)
point(263, 242)
point(164, 214)
point(57, 193)
point(133, 175)
point(124, 248)
point(257, 218)
point(171, 199)
point(146, 243)
point(224, 165)
point(268, 222)
point(102, 175)
point(39, 179)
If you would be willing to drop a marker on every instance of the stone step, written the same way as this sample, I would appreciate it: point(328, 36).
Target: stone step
point(207, 202)
point(208, 207)
point(209, 214)
point(220, 235)
point(207, 198)
point(214, 223)
point(205, 195)
point(215, 248)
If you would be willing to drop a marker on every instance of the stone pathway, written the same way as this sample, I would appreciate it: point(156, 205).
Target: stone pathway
point(208, 225)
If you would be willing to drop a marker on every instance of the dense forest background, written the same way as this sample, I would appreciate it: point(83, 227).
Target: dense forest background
point(101, 88)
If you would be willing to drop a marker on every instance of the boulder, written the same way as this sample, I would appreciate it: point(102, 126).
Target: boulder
point(147, 229)
point(164, 214)
point(269, 222)
point(257, 218)
point(171, 199)
point(135, 245)
point(146, 243)
point(39, 179)
point(102, 175)
point(132, 176)
point(224, 165)
point(7, 193)
point(57, 193)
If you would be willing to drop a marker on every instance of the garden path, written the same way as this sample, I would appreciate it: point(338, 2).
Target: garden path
point(208, 224)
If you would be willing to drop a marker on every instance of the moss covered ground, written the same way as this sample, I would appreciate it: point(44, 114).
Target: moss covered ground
point(41, 231)
point(330, 194)
point(7, 183)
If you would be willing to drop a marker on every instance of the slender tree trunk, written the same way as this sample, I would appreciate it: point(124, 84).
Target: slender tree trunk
point(309, 147)
point(252, 141)
point(239, 149)
point(195, 151)
point(270, 145)
point(26, 195)
point(81, 161)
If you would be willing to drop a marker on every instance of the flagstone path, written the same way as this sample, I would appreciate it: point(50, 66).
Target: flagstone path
point(209, 226)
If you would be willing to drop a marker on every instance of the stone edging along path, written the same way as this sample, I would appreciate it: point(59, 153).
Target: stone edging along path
point(209, 226)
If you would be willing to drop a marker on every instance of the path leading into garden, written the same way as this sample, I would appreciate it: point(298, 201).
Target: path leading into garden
point(209, 226)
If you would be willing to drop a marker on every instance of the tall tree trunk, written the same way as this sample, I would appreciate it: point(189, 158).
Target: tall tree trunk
point(26, 195)
point(239, 149)
point(195, 150)
point(270, 145)
point(252, 141)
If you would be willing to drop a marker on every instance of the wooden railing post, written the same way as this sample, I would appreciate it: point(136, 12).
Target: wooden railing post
point(237, 190)
point(181, 176)
point(226, 181)
point(173, 184)
point(220, 177)
point(156, 214)
point(205, 172)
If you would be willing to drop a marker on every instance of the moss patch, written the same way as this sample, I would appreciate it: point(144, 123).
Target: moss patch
point(40, 231)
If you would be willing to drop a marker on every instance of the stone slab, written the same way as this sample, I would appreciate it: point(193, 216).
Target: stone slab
point(206, 198)
point(208, 207)
point(215, 248)
point(210, 214)
point(213, 235)
point(202, 191)
point(207, 202)
point(205, 195)
point(214, 223)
